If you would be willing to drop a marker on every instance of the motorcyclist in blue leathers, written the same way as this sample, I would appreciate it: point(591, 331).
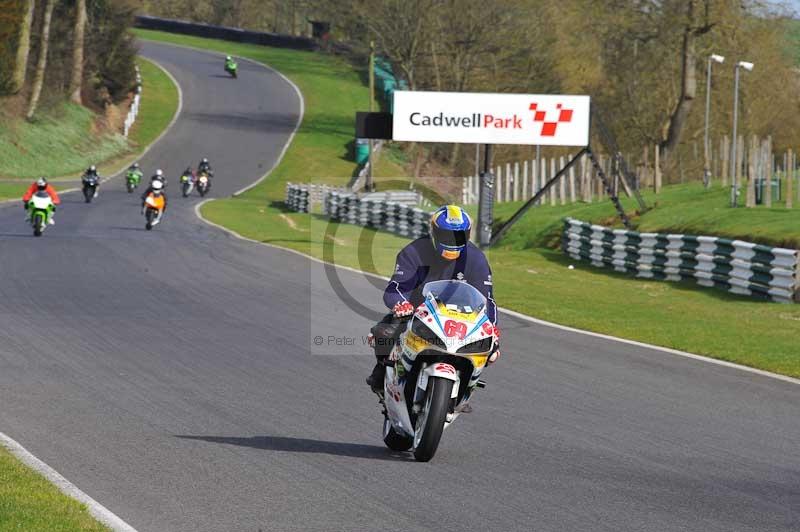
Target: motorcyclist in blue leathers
point(445, 254)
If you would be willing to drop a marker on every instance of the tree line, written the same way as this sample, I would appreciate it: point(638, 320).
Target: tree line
point(642, 61)
point(52, 50)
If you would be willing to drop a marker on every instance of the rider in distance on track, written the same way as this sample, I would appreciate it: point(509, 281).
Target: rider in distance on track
point(205, 166)
point(41, 185)
point(158, 176)
point(91, 172)
point(444, 255)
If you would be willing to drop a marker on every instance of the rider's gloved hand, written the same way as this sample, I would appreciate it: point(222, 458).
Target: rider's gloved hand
point(25, 205)
point(402, 309)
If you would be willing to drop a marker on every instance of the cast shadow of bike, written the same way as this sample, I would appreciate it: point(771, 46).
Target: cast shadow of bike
point(305, 445)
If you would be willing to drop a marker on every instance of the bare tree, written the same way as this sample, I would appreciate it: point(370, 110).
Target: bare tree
point(41, 64)
point(680, 115)
point(76, 80)
point(23, 49)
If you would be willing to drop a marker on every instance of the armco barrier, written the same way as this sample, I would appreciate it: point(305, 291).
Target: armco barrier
point(732, 265)
point(225, 33)
point(394, 212)
point(133, 112)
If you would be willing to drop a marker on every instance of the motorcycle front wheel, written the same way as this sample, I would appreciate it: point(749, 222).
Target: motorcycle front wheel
point(430, 422)
point(38, 225)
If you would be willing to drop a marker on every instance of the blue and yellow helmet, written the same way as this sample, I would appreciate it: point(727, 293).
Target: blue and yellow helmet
point(450, 227)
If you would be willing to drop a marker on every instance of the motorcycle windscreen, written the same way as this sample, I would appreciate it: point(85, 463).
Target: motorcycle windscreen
point(41, 200)
point(456, 296)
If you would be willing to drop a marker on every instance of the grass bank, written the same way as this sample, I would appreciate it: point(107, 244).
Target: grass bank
point(530, 276)
point(28, 501)
point(61, 143)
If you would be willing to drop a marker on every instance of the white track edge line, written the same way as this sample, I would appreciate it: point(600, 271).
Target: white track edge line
point(97, 510)
point(525, 317)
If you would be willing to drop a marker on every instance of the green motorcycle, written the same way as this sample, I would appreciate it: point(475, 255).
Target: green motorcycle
point(41, 208)
point(231, 67)
point(132, 180)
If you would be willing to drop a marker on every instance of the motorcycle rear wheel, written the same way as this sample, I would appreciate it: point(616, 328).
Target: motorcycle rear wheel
point(430, 423)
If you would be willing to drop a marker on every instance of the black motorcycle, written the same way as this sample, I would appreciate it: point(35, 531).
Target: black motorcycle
point(90, 187)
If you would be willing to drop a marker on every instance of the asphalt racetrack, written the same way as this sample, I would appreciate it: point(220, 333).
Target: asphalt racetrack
point(172, 375)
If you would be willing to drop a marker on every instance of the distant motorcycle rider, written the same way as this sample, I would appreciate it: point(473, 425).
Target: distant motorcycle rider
point(446, 254)
point(135, 172)
point(190, 174)
point(41, 185)
point(91, 173)
point(205, 166)
point(230, 65)
point(157, 177)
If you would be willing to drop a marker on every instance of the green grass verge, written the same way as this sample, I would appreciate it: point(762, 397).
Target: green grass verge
point(28, 501)
point(58, 143)
point(530, 276)
point(688, 209)
point(61, 143)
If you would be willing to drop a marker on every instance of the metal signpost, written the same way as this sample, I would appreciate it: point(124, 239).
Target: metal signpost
point(483, 118)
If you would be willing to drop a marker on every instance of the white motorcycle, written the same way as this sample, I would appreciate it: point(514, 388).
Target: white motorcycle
point(41, 209)
point(437, 365)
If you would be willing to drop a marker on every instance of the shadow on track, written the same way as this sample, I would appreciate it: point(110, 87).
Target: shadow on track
point(304, 445)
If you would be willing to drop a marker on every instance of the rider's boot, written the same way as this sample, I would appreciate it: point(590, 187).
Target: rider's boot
point(375, 379)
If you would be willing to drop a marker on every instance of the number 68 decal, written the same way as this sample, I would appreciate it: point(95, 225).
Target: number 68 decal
point(454, 328)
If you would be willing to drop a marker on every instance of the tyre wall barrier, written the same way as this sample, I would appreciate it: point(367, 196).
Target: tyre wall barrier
point(732, 265)
point(395, 212)
point(225, 33)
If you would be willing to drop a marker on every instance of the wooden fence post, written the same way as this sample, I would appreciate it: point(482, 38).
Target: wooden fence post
point(789, 171)
point(525, 179)
point(725, 153)
point(571, 181)
point(499, 180)
point(516, 182)
point(752, 169)
point(657, 168)
point(542, 179)
point(509, 181)
point(768, 171)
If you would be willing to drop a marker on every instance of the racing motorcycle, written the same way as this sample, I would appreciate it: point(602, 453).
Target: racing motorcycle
point(231, 68)
point(435, 367)
point(203, 184)
point(153, 209)
point(89, 187)
point(132, 180)
point(187, 185)
point(40, 208)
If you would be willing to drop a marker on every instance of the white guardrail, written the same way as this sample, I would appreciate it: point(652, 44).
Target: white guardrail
point(134, 110)
point(732, 265)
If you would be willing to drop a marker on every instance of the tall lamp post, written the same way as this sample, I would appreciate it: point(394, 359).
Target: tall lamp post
point(707, 149)
point(734, 185)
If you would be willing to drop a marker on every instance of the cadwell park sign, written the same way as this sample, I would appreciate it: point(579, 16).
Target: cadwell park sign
point(484, 118)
